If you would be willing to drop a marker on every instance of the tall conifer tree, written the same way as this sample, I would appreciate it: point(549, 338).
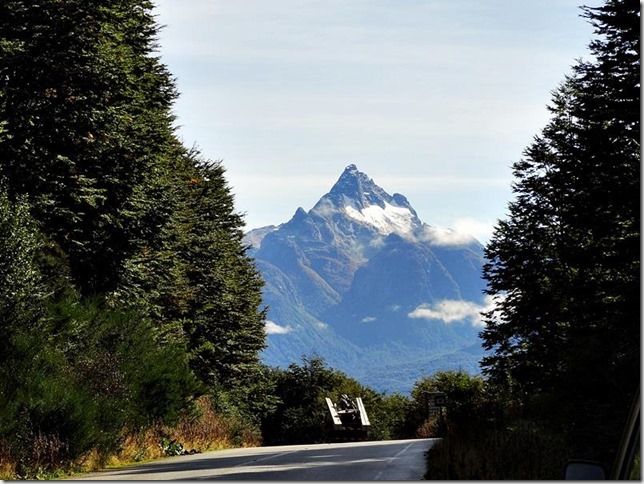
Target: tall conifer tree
point(141, 220)
point(224, 325)
point(87, 110)
point(565, 264)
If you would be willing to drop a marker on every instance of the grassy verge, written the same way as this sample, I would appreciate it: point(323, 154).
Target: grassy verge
point(201, 431)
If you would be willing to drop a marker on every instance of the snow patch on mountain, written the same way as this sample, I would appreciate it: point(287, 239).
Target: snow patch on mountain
point(388, 219)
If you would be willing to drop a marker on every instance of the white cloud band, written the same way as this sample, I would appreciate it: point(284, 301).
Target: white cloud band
point(273, 328)
point(452, 310)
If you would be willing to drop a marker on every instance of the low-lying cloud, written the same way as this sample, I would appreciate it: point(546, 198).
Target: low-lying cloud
point(482, 231)
point(274, 328)
point(445, 236)
point(455, 310)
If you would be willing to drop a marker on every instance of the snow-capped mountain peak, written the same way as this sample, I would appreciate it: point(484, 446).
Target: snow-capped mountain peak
point(357, 189)
point(358, 197)
point(360, 280)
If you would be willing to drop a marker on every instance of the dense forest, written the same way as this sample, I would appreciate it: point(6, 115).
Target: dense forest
point(567, 260)
point(131, 317)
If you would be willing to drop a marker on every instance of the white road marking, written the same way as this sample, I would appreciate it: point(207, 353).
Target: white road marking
point(379, 475)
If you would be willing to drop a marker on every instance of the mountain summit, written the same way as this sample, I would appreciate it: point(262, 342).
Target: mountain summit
point(360, 280)
point(363, 201)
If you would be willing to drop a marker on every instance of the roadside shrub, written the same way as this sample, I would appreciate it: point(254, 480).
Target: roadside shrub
point(522, 451)
point(388, 415)
point(88, 373)
point(466, 406)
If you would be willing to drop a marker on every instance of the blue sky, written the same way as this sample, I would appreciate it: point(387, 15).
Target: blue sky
point(434, 99)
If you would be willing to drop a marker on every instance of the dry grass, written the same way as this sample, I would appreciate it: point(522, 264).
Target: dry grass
point(430, 428)
point(45, 452)
point(7, 466)
point(204, 431)
point(201, 431)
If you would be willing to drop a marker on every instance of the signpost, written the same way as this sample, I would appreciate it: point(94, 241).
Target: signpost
point(436, 402)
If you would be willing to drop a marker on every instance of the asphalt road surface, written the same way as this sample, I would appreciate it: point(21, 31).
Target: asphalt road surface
point(395, 460)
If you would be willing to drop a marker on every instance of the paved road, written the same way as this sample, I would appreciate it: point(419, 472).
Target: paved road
point(395, 460)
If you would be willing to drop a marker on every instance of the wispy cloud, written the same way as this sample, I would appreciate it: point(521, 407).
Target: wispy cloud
point(274, 328)
point(479, 229)
point(451, 311)
point(445, 236)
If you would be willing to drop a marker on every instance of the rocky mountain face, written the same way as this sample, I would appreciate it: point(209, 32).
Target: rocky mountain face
point(361, 281)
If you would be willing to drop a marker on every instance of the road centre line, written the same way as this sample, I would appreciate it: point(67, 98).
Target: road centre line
point(379, 475)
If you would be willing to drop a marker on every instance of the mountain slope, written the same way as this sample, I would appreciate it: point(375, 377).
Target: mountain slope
point(362, 281)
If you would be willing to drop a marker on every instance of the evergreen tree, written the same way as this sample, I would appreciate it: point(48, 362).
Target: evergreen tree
point(136, 271)
point(199, 281)
point(565, 264)
point(88, 120)
point(138, 217)
point(223, 321)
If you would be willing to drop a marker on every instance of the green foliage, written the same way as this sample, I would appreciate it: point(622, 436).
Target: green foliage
point(464, 399)
point(20, 291)
point(86, 376)
point(299, 417)
point(197, 282)
point(226, 332)
point(390, 416)
point(74, 372)
point(21, 301)
point(564, 266)
point(88, 124)
point(118, 355)
point(125, 288)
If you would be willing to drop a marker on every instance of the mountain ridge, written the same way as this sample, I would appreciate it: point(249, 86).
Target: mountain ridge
point(346, 280)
